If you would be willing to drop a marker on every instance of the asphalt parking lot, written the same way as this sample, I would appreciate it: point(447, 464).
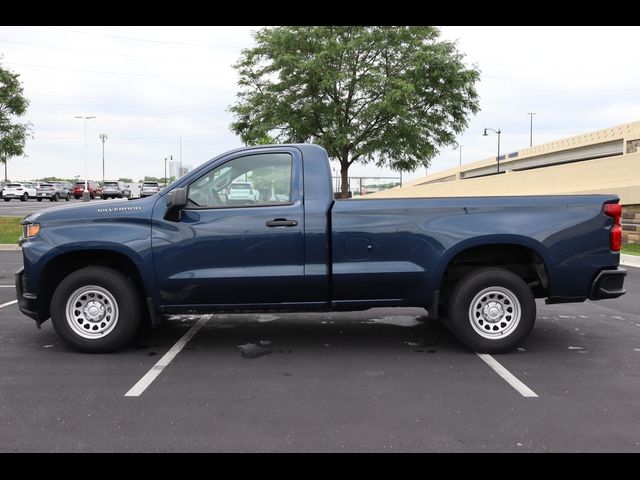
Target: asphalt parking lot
point(378, 380)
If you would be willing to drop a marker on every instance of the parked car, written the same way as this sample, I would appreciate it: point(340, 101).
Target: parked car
point(94, 189)
point(149, 188)
point(53, 191)
point(477, 263)
point(67, 185)
point(242, 193)
point(127, 190)
point(113, 189)
point(23, 191)
point(2, 186)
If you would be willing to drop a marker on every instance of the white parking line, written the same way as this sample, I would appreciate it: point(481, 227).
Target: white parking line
point(166, 359)
point(7, 286)
point(506, 375)
point(8, 303)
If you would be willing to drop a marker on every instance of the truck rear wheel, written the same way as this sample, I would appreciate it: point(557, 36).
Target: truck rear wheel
point(491, 310)
point(96, 310)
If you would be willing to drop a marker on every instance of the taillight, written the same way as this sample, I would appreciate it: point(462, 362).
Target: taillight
point(614, 210)
point(19, 189)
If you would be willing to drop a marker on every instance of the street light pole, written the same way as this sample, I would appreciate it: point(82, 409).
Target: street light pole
point(170, 157)
point(498, 132)
point(460, 146)
point(103, 137)
point(531, 114)
point(85, 194)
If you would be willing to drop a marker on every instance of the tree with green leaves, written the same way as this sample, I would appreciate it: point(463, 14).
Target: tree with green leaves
point(391, 96)
point(13, 104)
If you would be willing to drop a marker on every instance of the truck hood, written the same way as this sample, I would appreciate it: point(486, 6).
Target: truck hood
point(96, 211)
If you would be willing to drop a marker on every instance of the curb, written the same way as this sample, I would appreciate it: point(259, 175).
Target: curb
point(630, 260)
point(10, 246)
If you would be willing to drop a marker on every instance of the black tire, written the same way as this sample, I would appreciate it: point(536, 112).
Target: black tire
point(505, 283)
point(24, 197)
point(104, 197)
point(39, 199)
point(56, 197)
point(7, 199)
point(77, 197)
point(127, 301)
point(67, 198)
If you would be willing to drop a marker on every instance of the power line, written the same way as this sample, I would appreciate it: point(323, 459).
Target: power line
point(108, 72)
point(212, 134)
point(166, 42)
point(130, 105)
point(93, 52)
point(112, 99)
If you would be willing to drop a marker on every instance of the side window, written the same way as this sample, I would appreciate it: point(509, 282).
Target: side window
point(254, 180)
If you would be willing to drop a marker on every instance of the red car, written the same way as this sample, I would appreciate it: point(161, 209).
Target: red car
point(94, 189)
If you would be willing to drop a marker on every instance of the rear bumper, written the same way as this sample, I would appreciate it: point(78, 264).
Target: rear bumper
point(27, 302)
point(608, 284)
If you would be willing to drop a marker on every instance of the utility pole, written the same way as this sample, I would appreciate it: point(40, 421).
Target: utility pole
point(460, 148)
point(180, 172)
point(170, 157)
point(531, 114)
point(103, 137)
point(85, 195)
point(5, 169)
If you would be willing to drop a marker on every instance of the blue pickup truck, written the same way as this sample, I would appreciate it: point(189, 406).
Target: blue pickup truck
point(477, 263)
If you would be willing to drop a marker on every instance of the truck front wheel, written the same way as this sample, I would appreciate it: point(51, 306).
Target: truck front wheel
point(96, 310)
point(491, 310)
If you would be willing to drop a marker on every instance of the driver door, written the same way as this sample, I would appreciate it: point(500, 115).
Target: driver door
point(244, 250)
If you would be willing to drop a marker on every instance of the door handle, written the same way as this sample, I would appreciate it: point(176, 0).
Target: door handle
point(281, 223)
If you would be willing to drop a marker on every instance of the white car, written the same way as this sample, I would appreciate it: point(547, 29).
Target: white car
point(242, 192)
point(23, 191)
point(149, 188)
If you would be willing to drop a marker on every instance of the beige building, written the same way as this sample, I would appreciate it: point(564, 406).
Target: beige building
point(604, 161)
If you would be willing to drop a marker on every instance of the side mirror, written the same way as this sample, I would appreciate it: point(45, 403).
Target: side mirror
point(176, 201)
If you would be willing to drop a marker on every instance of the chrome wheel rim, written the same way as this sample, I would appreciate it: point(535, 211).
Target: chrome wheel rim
point(495, 312)
point(92, 312)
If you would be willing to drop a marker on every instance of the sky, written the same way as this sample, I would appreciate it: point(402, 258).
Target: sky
point(154, 88)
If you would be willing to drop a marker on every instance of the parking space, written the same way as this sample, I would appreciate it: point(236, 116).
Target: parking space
point(378, 380)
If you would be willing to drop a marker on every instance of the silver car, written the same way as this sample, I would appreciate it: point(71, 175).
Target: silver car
point(149, 188)
point(52, 191)
point(113, 189)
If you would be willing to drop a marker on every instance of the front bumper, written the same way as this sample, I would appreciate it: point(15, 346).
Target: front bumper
point(608, 284)
point(27, 302)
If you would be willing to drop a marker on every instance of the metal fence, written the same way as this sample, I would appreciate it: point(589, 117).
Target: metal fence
point(360, 186)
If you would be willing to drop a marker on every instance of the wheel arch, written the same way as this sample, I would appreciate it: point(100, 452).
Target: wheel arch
point(523, 256)
point(63, 264)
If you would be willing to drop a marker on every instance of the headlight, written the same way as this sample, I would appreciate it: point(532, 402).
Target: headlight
point(30, 230)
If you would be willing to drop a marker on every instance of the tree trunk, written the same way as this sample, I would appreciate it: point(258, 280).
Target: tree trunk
point(344, 173)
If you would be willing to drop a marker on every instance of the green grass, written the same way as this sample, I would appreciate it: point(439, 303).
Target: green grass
point(631, 249)
point(10, 229)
